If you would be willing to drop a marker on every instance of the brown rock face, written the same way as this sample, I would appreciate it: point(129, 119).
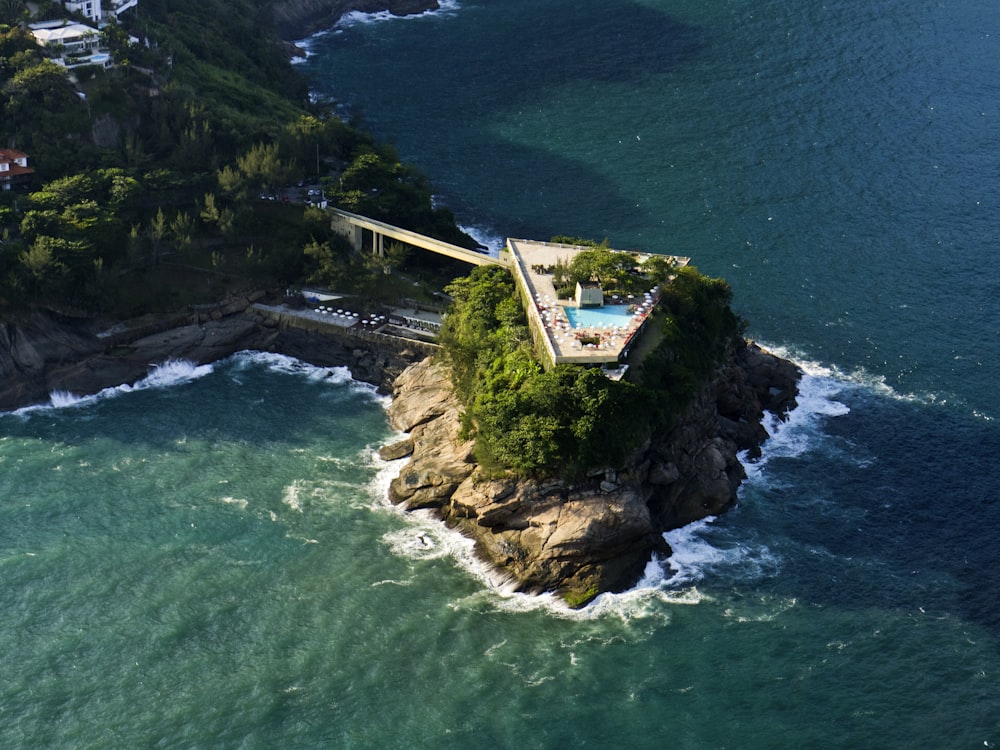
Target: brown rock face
point(578, 538)
point(441, 460)
point(596, 535)
point(42, 353)
point(550, 535)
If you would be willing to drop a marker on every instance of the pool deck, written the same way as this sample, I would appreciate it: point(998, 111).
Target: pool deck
point(547, 318)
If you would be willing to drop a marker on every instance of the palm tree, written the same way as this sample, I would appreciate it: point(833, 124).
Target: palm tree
point(13, 12)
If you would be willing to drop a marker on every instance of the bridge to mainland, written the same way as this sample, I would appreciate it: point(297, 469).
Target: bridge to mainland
point(353, 226)
point(525, 259)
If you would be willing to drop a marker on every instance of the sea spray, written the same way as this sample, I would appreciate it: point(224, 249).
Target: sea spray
point(167, 374)
point(361, 18)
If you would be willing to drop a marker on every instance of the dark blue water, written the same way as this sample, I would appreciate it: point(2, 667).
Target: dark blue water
point(208, 560)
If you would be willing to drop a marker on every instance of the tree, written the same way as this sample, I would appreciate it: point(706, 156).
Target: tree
point(209, 213)
point(43, 85)
point(180, 228)
point(658, 269)
point(14, 39)
point(116, 40)
point(261, 166)
point(157, 233)
point(231, 181)
point(40, 259)
point(393, 257)
point(122, 188)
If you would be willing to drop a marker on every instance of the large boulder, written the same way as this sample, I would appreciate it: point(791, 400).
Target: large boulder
point(424, 405)
point(578, 540)
point(31, 348)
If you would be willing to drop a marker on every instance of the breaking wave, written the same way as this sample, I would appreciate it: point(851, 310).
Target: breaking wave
point(166, 375)
point(360, 18)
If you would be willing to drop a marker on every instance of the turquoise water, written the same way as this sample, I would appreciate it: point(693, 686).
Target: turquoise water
point(598, 317)
point(208, 559)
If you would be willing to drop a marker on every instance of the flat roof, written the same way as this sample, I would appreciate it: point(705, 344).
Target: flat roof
point(548, 319)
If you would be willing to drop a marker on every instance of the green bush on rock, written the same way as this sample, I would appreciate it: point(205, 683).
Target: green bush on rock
point(570, 419)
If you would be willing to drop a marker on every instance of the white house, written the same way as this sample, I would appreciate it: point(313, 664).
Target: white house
point(74, 44)
point(93, 10)
point(89, 9)
point(74, 38)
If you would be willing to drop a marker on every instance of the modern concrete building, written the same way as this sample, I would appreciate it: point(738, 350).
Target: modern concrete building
point(583, 331)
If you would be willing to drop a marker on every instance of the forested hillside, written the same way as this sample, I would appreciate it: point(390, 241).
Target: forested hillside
point(182, 171)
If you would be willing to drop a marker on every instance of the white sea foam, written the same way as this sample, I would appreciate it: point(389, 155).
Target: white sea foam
point(358, 18)
point(281, 363)
point(170, 373)
point(391, 582)
point(285, 365)
point(173, 372)
point(291, 496)
point(306, 45)
point(488, 237)
point(239, 502)
point(698, 552)
point(386, 471)
point(874, 383)
point(65, 399)
point(797, 433)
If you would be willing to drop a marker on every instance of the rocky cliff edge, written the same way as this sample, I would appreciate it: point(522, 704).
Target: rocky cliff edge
point(583, 538)
point(43, 353)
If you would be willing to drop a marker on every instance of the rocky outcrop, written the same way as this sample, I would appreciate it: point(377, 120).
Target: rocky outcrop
point(44, 353)
point(582, 538)
point(296, 19)
point(577, 538)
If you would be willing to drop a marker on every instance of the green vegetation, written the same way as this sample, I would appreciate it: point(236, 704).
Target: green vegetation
point(180, 174)
point(168, 180)
point(617, 272)
point(567, 420)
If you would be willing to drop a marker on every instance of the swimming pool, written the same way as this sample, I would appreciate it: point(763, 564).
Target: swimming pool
point(598, 317)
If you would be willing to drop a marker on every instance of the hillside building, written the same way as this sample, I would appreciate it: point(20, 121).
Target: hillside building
point(14, 169)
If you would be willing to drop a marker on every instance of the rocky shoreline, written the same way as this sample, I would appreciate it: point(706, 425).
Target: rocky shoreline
point(297, 19)
point(584, 538)
point(577, 538)
point(44, 353)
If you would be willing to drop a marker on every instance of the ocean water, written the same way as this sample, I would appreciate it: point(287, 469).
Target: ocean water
point(207, 558)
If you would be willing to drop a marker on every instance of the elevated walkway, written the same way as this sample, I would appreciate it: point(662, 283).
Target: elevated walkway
point(353, 225)
point(603, 343)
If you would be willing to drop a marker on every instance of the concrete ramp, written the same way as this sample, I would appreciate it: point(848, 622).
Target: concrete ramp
point(352, 226)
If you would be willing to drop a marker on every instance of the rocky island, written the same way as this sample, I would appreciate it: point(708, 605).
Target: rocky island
point(565, 511)
point(578, 522)
point(594, 534)
point(566, 476)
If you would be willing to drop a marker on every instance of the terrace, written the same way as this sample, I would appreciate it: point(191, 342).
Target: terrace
point(566, 333)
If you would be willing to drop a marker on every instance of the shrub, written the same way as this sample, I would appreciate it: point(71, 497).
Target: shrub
point(570, 419)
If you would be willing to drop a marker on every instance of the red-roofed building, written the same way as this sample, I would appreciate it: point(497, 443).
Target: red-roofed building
point(14, 168)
